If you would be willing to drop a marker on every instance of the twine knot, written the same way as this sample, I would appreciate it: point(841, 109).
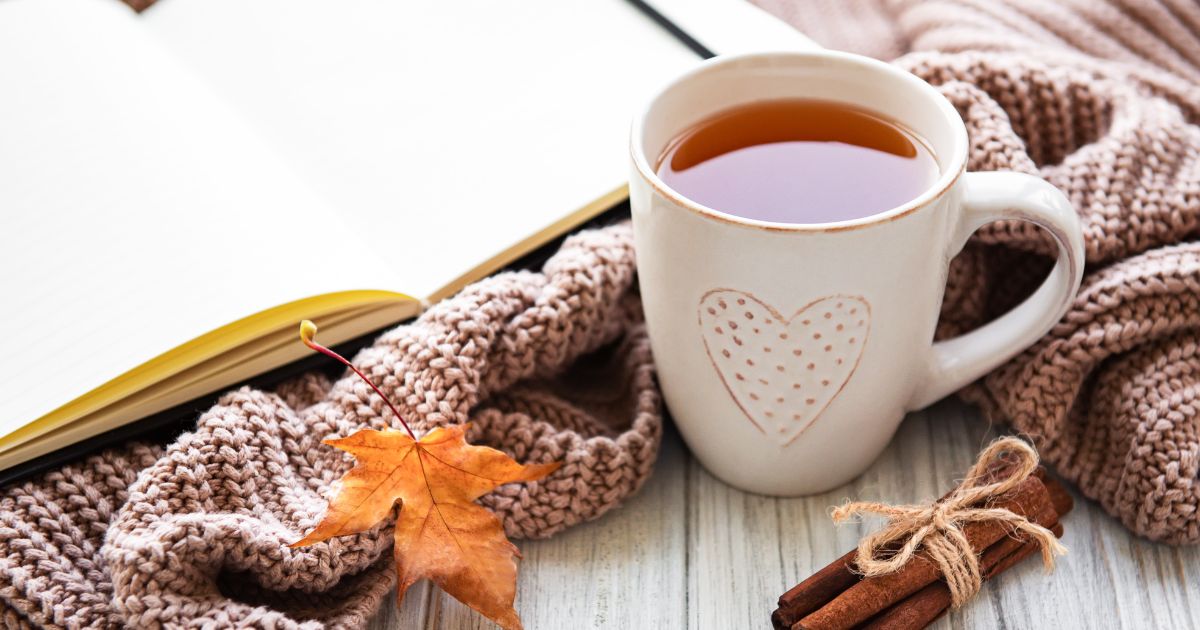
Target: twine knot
point(936, 529)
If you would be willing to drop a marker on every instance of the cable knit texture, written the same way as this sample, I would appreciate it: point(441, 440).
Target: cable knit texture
point(546, 366)
point(1100, 97)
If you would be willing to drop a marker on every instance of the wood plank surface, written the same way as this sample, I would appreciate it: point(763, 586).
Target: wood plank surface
point(691, 552)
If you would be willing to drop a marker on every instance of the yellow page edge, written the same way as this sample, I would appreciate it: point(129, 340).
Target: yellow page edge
point(558, 228)
point(149, 401)
point(197, 350)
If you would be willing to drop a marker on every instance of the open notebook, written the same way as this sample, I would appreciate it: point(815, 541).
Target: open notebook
point(180, 188)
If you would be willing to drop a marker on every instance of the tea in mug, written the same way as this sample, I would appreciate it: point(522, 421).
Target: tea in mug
point(798, 161)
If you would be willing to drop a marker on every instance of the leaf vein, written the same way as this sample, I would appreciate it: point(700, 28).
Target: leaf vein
point(374, 490)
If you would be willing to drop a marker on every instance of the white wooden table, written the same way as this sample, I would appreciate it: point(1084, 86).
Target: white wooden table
point(691, 552)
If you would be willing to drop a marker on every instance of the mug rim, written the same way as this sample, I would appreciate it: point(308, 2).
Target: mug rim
point(955, 164)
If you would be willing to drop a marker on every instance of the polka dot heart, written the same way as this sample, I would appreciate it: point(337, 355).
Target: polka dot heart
point(783, 371)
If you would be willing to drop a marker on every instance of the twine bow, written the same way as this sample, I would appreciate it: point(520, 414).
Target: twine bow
point(936, 528)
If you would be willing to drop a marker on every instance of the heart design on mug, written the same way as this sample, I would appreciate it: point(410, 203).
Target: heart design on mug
point(783, 372)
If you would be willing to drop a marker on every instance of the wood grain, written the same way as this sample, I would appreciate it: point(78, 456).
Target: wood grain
point(691, 552)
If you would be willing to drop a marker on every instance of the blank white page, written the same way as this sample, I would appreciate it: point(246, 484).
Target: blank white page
point(444, 131)
point(136, 210)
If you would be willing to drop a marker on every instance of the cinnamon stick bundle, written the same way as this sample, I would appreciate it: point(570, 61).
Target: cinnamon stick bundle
point(914, 596)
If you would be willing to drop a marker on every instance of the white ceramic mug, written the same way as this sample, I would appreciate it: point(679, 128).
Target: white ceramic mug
point(789, 353)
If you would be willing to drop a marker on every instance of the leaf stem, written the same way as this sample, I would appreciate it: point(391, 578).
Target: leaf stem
point(308, 332)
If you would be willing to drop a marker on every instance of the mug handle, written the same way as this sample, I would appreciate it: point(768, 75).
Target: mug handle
point(996, 196)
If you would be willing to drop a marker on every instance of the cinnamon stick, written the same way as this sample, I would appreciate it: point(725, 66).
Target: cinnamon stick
point(928, 604)
point(815, 591)
point(1059, 497)
point(865, 598)
point(822, 586)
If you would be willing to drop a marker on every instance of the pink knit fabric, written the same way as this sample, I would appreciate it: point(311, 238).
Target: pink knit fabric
point(546, 366)
point(1100, 97)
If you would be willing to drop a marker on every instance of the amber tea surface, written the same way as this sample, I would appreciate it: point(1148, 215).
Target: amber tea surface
point(798, 161)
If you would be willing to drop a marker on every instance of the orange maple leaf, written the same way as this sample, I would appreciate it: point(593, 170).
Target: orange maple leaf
point(441, 532)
